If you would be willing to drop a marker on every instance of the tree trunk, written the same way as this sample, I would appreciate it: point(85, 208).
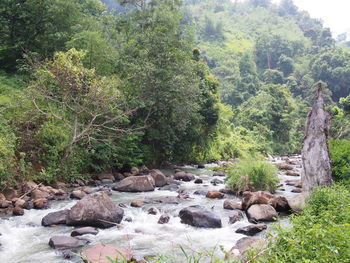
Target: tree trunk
point(316, 170)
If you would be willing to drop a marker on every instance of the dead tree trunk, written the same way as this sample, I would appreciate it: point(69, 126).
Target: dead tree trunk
point(316, 170)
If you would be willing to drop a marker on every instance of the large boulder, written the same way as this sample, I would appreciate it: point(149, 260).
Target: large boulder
point(159, 178)
point(65, 242)
point(36, 194)
point(257, 213)
point(144, 183)
point(55, 218)
point(199, 217)
point(183, 176)
point(251, 230)
point(278, 202)
point(101, 253)
point(10, 193)
point(97, 210)
point(297, 203)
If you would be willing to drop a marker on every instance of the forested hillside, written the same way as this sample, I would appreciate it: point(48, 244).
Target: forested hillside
point(87, 86)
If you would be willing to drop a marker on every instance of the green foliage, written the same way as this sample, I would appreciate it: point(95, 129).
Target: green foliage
point(340, 155)
point(7, 152)
point(252, 175)
point(319, 234)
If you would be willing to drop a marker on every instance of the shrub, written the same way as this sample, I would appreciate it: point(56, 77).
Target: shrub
point(340, 156)
point(7, 151)
point(253, 175)
point(321, 233)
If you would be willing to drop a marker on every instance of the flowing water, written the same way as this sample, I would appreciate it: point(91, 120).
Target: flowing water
point(24, 240)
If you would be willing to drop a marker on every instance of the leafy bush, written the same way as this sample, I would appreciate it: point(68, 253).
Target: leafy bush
point(340, 156)
point(7, 151)
point(253, 175)
point(321, 233)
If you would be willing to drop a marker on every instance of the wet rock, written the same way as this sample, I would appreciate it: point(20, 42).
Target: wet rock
point(200, 192)
point(201, 166)
point(170, 200)
point(66, 242)
point(219, 173)
point(183, 195)
point(96, 210)
point(84, 231)
point(9, 193)
point(295, 183)
point(100, 253)
point(159, 178)
point(39, 194)
point(285, 166)
point(55, 218)
point(77, 194)
point(257, 213)
point(107, 181)
point(198, 181)
point(118, 177)
point(136, 204)
point(216, 181)
point(142, 183)
point(296, 190)
point(88, 190)
point(122, 205)
point(245, 244)
point(128, 219)
point(152, 211)
point(199, 217)
point(232, 205)
point(251, 230)
point(291, 173)
point(41, 203)
point(178, 170)
point(227, 191)
point(164, 219)
point(170, 187)
point(183, 176)
point(18, 211)
point(234, 217)
point(215, 195)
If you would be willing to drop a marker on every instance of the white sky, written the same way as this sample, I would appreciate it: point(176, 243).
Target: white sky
point(334, 13)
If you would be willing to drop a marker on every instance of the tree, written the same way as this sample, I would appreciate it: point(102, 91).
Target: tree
point(85, 104)
point(285, 64)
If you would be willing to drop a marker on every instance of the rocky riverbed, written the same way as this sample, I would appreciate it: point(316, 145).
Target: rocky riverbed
point(192, 209)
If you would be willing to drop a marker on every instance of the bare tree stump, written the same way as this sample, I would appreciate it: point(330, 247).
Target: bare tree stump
point(316, 163)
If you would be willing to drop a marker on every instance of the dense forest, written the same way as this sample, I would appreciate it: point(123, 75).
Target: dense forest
point(111, 87)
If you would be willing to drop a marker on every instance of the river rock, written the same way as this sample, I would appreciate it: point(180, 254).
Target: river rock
point(28, 186)
point(183, 176)
point(170, 187)
point(19, 202)
point(234, 217)
point(65, 242)
point(159, 178)
point(219, 173)
point(134, 171)
point(96, 210)
point(200, 192)
point(245, 244)
point(199, 217)
point(285, 166)
point(136, 204)
point(295, 183)
point(144, 183)
point(232, 205)
point(278, 202)
point(297, 203)
point(251, 230)
point(105, 176)
point(28, 205)
point(55, 218)
point(152, 211)
point(77, 194)
point(41, 203)
point(9, 193)
point(164, 219)
point(84, 231)
point(257, 213)
point(198, 181)
point(291, 173)
point(296, 190)
point(201, 166)
point(100, 253)
point(18, 211)
point(216, 181)
point(36, 194)
point(215, 195)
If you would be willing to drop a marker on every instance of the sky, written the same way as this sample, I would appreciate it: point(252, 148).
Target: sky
point(334, 13)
